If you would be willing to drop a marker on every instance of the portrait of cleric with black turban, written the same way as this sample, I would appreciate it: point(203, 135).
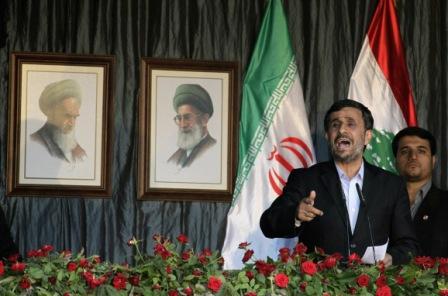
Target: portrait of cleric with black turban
point(194, 108)
point(60, 101)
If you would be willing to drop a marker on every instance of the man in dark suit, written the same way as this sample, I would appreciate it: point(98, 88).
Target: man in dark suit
point(415, 155)
point(321, 204)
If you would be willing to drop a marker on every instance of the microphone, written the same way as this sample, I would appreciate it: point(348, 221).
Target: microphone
point(369, 225)
point(347, 223)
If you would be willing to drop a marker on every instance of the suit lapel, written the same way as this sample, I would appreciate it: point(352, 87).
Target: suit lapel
point(331, 181)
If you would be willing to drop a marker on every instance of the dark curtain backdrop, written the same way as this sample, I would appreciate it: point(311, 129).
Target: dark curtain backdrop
point(326, 35)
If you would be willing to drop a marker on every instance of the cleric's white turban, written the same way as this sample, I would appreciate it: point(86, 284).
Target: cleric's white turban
point(56, 92)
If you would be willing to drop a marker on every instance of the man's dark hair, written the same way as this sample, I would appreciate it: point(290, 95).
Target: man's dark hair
point(417, 132)
point(338, 105)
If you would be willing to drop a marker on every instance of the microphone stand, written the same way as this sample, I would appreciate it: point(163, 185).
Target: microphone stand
point(369, 225)
point(347, 223)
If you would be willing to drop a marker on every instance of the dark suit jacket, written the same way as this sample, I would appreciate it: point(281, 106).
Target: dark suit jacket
point(7, 245)
point(180, 156)
point(431, 223)
point(387, 202)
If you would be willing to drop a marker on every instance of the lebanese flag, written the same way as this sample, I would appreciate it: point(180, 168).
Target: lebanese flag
point(274, 139)
point(381, 82)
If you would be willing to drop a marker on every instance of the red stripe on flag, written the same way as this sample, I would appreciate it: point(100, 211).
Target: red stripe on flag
point(301, 144)
point(387, 47)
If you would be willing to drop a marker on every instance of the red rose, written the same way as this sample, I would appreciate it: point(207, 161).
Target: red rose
point(303, 286)
point(71, 266)
point(2, 268)
point(119, 281)
point(250, 293)
point(13, 258)
point(281, 280)
point(182, 238)
point(363, 280)
point(18, 267)
point(173, 293)
point(67, 294)
point(197, 272)
point(96, 260)
point(443, 269)
point(243, 245)
point(381, 281)
point(134, 280)
point(351, 291)
point(383, 291)
point(399, 280)
point(31, 253)
point(249, 274)
point(186, 255)
point(264, 268)
point(300, 249)
point(25, 283)
point(160, 250)
point(214, 284)
point(47, 248)
point(309, 267)
point(168, 269)
point(188, 291)
point(330, 262)
point(354, 258)
point(247, 255)
point(83, 262)
point(425, 262)
point(52, 280)
point(443, 292)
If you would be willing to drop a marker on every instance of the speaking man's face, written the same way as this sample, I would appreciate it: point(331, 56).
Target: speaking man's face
point(414, 160)
point(347, 135)
point(64, 114)
point(192, 125)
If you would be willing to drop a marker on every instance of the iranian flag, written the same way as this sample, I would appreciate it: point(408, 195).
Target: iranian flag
point(274, 138)
point(381, 82)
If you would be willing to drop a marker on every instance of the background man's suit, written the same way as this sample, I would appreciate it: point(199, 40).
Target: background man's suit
point(431, 223)
point(387, 202)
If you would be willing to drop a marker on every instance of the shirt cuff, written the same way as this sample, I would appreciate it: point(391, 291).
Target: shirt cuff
point(297, 222)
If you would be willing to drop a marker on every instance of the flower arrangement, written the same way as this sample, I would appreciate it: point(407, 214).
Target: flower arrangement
point(176, 269)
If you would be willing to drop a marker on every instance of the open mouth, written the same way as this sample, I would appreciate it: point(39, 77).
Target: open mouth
point(343, 143)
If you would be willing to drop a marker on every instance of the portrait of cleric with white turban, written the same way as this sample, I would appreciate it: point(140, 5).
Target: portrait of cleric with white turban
point(60, 101)
point(194, 108)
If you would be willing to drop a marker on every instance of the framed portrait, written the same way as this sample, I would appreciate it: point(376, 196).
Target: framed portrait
point(59, 126)
point(187, 129)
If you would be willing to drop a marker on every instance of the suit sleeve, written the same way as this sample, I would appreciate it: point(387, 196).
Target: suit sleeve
point(278, 220)
point(7, 245)
point(403, 244)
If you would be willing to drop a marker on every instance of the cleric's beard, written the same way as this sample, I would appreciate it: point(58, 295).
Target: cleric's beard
point(66, 141)
point(189, 139)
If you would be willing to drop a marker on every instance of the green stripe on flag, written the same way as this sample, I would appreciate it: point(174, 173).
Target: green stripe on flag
point(270, 60)
point(379, 151)
point(259, 138)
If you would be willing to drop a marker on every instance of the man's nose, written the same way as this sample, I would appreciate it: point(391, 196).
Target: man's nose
point(412, 154)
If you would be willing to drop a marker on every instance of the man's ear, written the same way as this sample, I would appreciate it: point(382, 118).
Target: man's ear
point(368, 137)
point(434, 160)
point(204, 119)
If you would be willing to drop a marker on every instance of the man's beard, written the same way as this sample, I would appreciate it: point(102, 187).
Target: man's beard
point(357, 152)
point(189, 139)
point(66, 141)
